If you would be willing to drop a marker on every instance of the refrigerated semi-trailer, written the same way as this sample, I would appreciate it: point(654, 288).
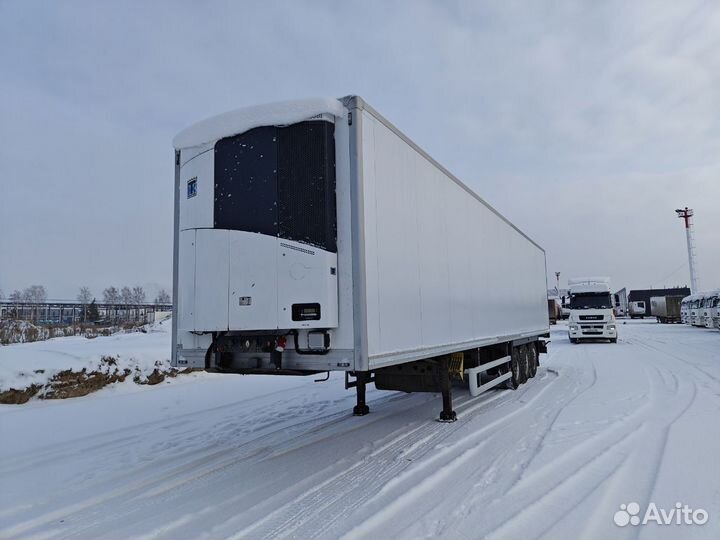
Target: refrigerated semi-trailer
point(314, 236)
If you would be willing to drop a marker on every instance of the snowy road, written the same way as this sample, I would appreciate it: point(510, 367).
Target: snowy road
point(241, 457)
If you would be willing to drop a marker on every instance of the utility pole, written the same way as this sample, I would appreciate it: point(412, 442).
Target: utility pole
point(686, 214)
point(557, 282)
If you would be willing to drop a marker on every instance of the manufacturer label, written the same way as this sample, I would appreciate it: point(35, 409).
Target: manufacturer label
point(192, 187)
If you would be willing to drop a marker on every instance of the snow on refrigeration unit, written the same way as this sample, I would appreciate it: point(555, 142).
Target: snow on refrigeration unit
point(313, 236)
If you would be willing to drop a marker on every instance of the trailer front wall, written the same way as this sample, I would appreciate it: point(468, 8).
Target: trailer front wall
point(443, 270)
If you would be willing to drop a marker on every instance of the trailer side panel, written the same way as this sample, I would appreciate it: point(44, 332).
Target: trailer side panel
point(444, 271)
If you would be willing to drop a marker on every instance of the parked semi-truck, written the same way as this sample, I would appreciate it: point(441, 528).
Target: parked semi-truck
point(685, 309)
point(554, 309)
point(666, 309)
point(710, 309)
point(314, 236)
point(694, 302)
point(591, 310)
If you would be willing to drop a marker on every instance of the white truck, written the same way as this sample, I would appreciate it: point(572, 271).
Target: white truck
point(637, 308)
point(694, 302)
point(685, 310)
point(710, 309)
point(591, 310)
point(314, 236)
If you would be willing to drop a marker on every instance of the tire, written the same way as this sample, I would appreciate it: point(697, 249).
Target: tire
point(574, 340)
point(515, 370)
point(613, 340)
point(524, 370)
point(532, 357)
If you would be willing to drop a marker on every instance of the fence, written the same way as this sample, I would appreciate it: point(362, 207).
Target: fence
point(76, 312)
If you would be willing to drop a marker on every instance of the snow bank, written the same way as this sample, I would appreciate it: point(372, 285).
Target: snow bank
point(212, 129)
point(25, 332)
point(135, 355)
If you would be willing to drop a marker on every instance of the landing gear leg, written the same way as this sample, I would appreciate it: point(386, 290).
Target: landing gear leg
point(361, 409)
point(447, 414)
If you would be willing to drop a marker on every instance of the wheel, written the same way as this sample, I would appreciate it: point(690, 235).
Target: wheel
point(532, 357)
point(574, 340)
point(515, 379)
point(524, 369)
point(613, 340)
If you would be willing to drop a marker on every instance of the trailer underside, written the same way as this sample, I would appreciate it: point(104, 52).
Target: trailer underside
point(510, 363)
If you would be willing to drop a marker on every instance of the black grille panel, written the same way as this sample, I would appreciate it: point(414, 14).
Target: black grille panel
point(279, 181)
point(306, 184)
point(246, 183)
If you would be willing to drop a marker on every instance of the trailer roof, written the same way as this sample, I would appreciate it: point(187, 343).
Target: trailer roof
point(352, 102)
point(212, 129)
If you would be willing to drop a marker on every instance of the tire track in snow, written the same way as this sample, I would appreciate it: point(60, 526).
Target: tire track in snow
point(180, 471)
point(587, 465)
point(234, 413)
point(406, 490)
point(678, 358)
point(337, 494)
point(445, 460)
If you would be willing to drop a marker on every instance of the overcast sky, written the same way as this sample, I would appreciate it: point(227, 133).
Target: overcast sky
point(585, 123)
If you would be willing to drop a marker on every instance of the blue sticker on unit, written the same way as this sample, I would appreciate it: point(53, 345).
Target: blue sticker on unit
point(192, 187)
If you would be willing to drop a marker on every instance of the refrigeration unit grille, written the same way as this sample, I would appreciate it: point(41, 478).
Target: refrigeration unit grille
point(306, 184)
point(279, 181)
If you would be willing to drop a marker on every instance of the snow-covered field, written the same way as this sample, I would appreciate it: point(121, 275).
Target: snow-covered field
point(222, 456)
point(23, 364)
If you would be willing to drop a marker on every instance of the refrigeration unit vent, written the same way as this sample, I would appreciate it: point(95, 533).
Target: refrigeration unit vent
point(279, 181)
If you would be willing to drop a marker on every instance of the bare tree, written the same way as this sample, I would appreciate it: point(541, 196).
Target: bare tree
point(84, 297)
point(2, 295)
point(112, 296)
point(162, 297)
point(16, 296)
point(138, 295)
point(126, 297)
point(34, 294)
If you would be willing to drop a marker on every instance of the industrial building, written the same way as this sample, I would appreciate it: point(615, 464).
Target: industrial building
point(645, 295)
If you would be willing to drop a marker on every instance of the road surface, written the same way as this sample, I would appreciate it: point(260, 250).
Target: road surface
point(222, 456)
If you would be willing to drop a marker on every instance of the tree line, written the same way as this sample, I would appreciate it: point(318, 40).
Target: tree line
point(36, 294)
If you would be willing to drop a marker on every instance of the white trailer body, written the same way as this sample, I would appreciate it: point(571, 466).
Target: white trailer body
point(407, 263)
point(666, 309)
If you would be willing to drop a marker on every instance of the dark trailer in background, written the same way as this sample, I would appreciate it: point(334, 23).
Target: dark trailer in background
point(646, 294)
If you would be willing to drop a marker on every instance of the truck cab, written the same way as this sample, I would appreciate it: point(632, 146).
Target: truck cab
point(685, 310)
point(694, 309)
point(591, 310)
point(711, 310)
point(637, 309)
